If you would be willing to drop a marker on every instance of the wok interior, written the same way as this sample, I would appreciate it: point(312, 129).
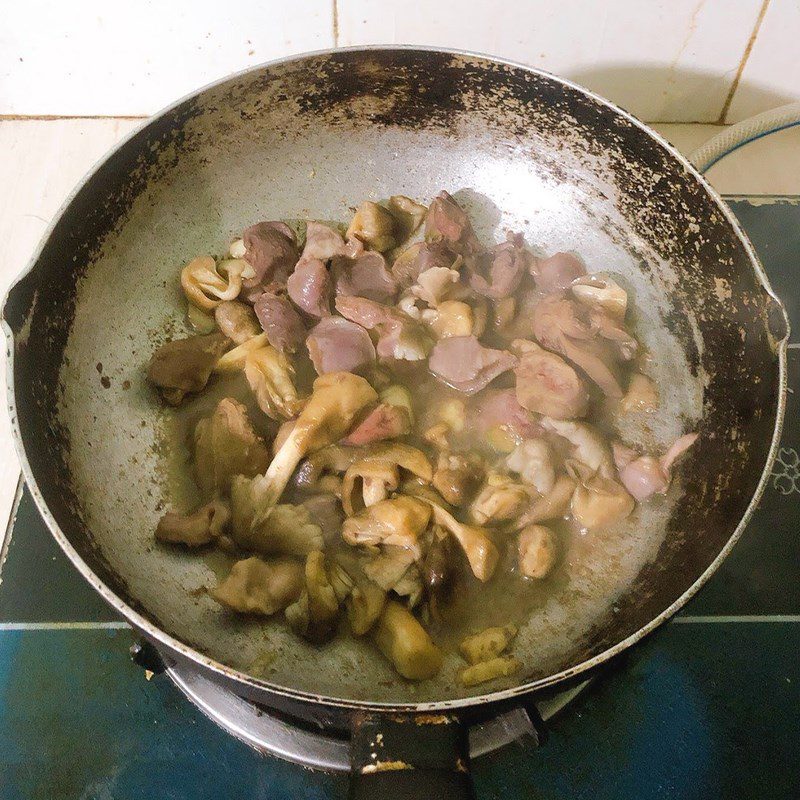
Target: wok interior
point(310, 139)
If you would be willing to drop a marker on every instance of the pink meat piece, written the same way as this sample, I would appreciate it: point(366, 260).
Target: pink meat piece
point(563, 326)
point(557, 272)
point(364, 276)
point(623, 344)
point(309, 287)
point(646, 475)
point(499, 407)
point(271, 250)
point(390, 322)
point(322, 242)
point(337, 345)
point(446, 221)
point(465, 364)
point(507, 265)
point(383, 422)
point(280, 321)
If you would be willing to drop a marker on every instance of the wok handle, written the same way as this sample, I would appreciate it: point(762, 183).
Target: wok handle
point(406, 756)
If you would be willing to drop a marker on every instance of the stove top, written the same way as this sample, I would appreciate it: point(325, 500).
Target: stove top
point(706, 707)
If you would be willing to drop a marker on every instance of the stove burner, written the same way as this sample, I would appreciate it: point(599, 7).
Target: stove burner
point(269, 734)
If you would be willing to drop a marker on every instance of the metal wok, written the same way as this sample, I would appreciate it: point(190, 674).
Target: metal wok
point(309, 137)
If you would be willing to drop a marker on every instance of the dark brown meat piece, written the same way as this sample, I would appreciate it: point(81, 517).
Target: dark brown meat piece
point(309, 287)
point(280, 321)
point(184, 365)
point(271, 250)
point(557, 272)
point(365, 276)
point(507, 265)
point(465, 364)
point(338, 345)
point(546, 384)
point(446, 221)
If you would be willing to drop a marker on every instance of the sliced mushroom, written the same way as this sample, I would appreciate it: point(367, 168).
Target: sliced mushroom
point(600, 502)
point(402, 639)
point(314, 615)
point(373, 225)
point(501, 498)
point(288, 530)
point(226, 444)
point(457, 476)
point(377, 478)
point(206, 284)
point(364, 606)
point(235, 359)
point(202, 526)
point(536, 551)
point(336, 400)
point(408, 216)
point(549, 506)
point(271, 377)
point(399, 521)
point(603, 292)
point(479, 549)
point(183, 366)
point(261, 587)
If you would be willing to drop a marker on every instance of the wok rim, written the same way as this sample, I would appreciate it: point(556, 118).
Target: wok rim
point(170, 642)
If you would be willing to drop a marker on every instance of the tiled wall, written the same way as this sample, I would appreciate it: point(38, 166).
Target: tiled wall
point(670, 60)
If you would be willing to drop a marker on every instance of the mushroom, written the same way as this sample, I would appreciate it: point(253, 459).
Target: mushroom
point(196, 529)
point(438, 572)
point(601, 291)
point(378, 480)
point(599, 502)
point(184, 365)
point(479, 549)
point(536, 551)
point(377, 461)
point(449, 318)
point(589, 447)
point(402, 639)
point(399, 521)
point(336, 400)
point(226, 444)
point(552, 505)
point(339, 578)
point(364, 606)
point(201, 322)
point(457, 476)
point(501, 498)
point(374, 226)
point(487, 644)
point(287, 530)
point(237, 321)
point(234, 360)
point(532, 460)
point(435, 285)
point(410, 586)
point(387, 567)
point(331, 459)
point(255, 586)
point(206, 283)
point(271, 377)
point(500, 667)
point(642, 395)
point(314, 614)
point(408, 216)
point(546, 384)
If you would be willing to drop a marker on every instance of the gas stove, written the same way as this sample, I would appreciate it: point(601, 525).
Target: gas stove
point(706, 707)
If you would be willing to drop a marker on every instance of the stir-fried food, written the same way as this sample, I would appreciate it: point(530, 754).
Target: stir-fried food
point(408, 416)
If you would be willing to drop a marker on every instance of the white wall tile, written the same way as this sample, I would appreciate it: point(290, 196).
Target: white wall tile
point(666, 61)
point(771, 76)
point(93, 57)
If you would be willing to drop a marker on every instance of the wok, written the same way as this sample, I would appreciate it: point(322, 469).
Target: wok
point(309, 137)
